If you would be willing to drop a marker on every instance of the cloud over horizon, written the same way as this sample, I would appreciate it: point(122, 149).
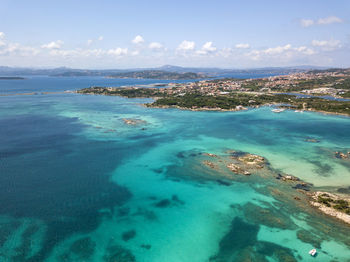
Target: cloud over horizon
point(321, 21)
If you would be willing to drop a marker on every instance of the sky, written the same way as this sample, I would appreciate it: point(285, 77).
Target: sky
point(151, 33)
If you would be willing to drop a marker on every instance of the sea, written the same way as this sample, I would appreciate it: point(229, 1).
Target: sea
point(77, 183)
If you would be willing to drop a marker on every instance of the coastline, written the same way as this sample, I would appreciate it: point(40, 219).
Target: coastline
point(328, 209)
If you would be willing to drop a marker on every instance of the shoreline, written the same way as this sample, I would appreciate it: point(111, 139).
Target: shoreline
point(328, 209)
point(214, 109)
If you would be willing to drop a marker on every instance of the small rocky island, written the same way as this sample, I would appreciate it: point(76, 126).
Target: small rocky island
point(332, 204)
point(134, 121)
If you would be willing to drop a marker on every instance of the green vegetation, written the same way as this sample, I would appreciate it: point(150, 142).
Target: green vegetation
point(342, 205)
point(124, 92)
point(324, 200)
point(320, 104)
point(339, 204)
point(197, 100)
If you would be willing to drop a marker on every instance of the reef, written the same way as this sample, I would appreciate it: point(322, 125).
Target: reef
point(241, 244)
point(308, 237)
point(117, 253)
point(240, 163)
point(266, 216)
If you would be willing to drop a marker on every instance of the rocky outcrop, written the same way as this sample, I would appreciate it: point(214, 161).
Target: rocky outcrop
point(134, 121)
point(209, 164)
point(209, 154)
point(332, 204)
point(342, 155)
point(238, 170)
point(287, 178)
point(312, 140)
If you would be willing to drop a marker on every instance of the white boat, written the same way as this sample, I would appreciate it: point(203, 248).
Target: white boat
point(312, 252)
point(278, 110)
point(299, 111)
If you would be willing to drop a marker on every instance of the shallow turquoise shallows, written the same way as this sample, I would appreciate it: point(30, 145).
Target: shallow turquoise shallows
point(79, 184)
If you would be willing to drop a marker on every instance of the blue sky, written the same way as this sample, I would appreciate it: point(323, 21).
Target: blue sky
point(221, 33)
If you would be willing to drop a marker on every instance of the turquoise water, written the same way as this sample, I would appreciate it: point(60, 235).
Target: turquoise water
point(78, 184)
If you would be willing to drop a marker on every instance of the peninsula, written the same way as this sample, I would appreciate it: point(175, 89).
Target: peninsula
point(324, 91)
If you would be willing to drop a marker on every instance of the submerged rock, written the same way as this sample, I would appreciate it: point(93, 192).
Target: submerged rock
point(163, 203)
point(309, 237)
point(223, 182)
point(312, 140)
point(83, 247)
point(126, 236)
point(270, 217)
point(209, 164)
point(134, 121)
point(209, 154)
point(117, 253)
point(146, 246)
point(302, 186)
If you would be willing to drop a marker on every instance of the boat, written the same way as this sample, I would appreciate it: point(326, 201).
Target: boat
point(299, 111)
point(278, 110)
point(312, 252)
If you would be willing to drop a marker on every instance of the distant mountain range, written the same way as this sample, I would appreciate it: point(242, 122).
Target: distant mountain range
point(163, 72)
point(158, 74)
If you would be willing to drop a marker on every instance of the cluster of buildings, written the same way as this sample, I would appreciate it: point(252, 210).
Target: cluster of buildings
point(298, 81)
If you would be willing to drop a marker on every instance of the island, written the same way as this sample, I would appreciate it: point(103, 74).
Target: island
point(325, 91)
point(11, 78)
point(158, 74)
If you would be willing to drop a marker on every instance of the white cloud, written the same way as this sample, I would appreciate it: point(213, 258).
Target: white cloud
point(208, 46)
point(305, 50)
point(155, 45)
point(285, 52)
point(329, 20)
point(17, 49)
point(53, 45)
point(2, 35)
point(242, 46)
point(322, 21)
point(138, 40)
point(135, 53)
point(118, 51)
point(306, 22)
point(186, 45)
point(327, 45)
point(206, 49)
point(277, 50)
point(89, 42)
point(100, 38)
